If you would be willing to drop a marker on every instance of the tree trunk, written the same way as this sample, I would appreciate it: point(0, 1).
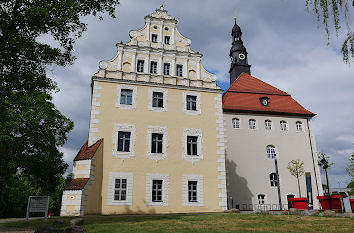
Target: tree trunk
point(298, 185)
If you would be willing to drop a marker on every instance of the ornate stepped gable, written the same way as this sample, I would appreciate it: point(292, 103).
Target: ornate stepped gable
point(245, 94)
point(158, 41)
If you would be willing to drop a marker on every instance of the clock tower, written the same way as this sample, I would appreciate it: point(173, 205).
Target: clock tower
point(238, 55)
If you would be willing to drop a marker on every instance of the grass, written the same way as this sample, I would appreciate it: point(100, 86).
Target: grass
point(201, 223)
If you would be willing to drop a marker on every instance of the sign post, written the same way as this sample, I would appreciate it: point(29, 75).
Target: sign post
point(37, 204)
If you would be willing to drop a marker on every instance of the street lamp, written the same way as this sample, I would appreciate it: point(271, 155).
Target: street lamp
point(324, 164)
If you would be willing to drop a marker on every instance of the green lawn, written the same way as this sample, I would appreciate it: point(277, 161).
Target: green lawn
point(202, 223)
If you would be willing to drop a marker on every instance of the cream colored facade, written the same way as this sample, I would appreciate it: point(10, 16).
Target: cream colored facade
point(139, 167)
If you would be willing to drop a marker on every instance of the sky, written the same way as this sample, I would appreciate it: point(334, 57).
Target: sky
point(286, 47)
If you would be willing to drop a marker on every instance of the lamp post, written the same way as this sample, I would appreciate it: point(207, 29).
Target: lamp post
point(278, 181)
point(324, 164)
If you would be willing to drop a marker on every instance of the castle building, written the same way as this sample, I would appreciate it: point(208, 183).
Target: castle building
point(163, 138)
point(156, 137)
point(265, 128)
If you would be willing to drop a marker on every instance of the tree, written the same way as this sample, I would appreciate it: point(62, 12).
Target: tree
point(350, 168)
point(296, 168)
point(31, 128)
point(338, 9)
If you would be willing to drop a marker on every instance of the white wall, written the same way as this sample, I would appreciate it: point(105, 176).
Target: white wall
point(248, 167)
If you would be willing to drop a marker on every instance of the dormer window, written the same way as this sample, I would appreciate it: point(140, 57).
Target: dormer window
point(153, 38)
point(264, 101)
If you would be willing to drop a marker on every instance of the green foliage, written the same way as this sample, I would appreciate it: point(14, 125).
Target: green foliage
point(296, 168)
point(351, 186)
point(321, 155)
point(31, 128)
point(350, 168)
point(337, 9)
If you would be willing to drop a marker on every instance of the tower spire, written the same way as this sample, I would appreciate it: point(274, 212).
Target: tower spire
point(238, 54)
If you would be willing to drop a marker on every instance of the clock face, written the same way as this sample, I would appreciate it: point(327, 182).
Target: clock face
point(242, 56)
point(264, 102)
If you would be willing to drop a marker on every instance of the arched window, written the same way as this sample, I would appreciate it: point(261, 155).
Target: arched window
point(298, 126)
point(273, 179)
point(268, 124)
point(252, 124)
point(283, 126)
point(261, 198)
point(235, 123)
point(271, 152)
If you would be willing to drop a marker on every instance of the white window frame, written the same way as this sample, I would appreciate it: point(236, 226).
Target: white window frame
point(264, 199)
point(165, 99)
point(135, 93)
point(234, 120)
point(255, 124)
point(198, 104)
point(200, 190)
point(283, 125)
point(111, 188)
point(125, 128)
point(165, 189)
point(164, 68)
point(137, 65)
point(197, 133)
point(151, 68)
point(301, 125)
point(268, 126)
point(160, 130)
point(179, 73)
point(271, 154)
point(274, 180)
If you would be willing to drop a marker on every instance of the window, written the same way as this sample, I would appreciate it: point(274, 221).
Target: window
point(123, 141)
point(180, 70)
point(126, 96)
point(156, 143)
point(120, 190)
point(167, 40)
point(166, 68)
point(283, 126)
point(273, 179)
point(271, 152)
point(252, 124)
point(235, 123)
point(140, 66)
point(156, 191)
point(192, 191)
point(261, 198)
point(191, 102)
point(268, 124)
point(153, 67)
point(192, 142)
point(154, 38)
point(298, 126)
point(157, 99)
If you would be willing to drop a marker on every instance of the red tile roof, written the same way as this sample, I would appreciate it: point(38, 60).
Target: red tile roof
point(77, 184)
point(88, 152)
point(245, 93)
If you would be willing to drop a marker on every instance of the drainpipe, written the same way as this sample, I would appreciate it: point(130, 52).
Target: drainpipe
point(313, 160)
point(277, 173)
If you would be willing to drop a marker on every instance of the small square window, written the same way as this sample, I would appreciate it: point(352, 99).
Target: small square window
point(235, 123)
point(261, 198)
point(126, 96)
point(273, 179)
point(166, 68)
point(154, 38)
point(156, 143)
point(167, 40)
point(153, 67)
point(268, 124)
point(180, 70)
point(140, 66)
point(252, 124)
point(298, 126)
point(157, 99)
point(120, 189)
point(191, 102)
point(283, 126)
point(123, 141)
